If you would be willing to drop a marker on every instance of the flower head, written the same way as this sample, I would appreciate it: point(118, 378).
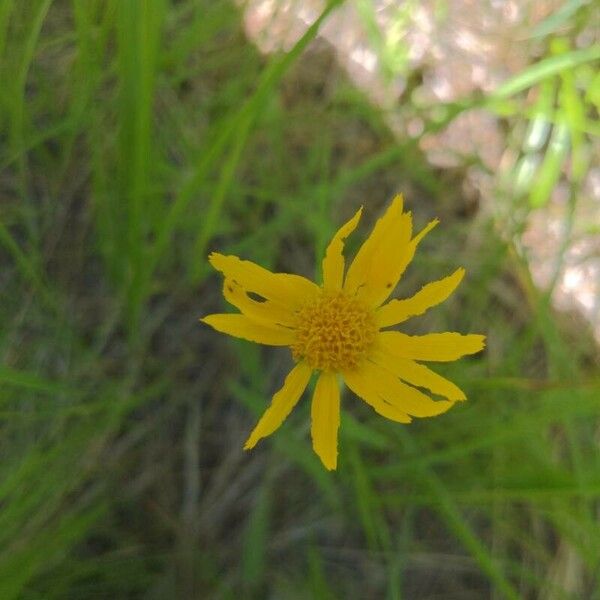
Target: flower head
point(340, 330)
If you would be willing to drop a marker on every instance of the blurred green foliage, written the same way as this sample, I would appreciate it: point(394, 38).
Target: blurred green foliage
point(134, 137)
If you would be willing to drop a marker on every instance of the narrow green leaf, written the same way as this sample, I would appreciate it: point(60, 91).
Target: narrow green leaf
point(23, 379)
point(254, 556)
point(558, 18)
point(550, 170)
point(543, 69)
point(543, 111)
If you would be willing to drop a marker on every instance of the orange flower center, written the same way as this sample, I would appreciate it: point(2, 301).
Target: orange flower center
point(334, 332)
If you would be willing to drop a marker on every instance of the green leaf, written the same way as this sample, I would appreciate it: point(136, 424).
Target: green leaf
point(254, 555)
point(544, 69)
point(558, 18)
point(550, 170)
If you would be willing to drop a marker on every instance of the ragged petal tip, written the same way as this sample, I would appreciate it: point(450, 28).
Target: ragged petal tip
point(214, 258)
point(250, 443)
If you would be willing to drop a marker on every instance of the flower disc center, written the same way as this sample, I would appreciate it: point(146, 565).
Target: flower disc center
point(334, 332)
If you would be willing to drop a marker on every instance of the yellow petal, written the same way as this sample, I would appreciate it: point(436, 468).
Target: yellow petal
point(417, 239)
point(268, 312)
point(364, 389)
point(419, 375)
point(377, 263)
point(291, 290)
point(282, 404)
point(390, 265)
point(333, 263)
point(400, 395)
point(325, 419)
point(361, 264)
point(439, 347)
point(397, 311)
point(243, 327)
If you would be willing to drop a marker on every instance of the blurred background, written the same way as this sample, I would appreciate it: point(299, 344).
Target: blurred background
point(135, 137)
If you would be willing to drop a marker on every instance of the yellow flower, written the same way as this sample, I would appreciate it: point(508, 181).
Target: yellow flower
point(340, 330)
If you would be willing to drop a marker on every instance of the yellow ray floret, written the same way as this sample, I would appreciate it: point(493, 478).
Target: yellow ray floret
point(333, 263)
point(437, 347)
point(268, 312)
point(325, 418)
point(282, 404)
point(244, 327)
point(397, 311)
point(338, 329)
